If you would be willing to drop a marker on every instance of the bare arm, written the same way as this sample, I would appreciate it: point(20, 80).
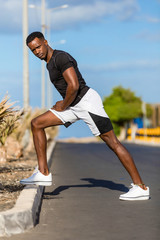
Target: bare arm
point(72, 89)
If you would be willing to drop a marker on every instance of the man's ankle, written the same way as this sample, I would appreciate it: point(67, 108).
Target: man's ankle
point(141, 185)
point(44, 171)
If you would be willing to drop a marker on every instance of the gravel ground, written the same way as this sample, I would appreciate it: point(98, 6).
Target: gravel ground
point(11, 172)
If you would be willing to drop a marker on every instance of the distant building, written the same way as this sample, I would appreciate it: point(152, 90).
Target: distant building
point(156, 115)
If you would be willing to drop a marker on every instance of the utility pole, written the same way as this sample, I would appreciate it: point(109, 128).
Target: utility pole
point(43, 27)
point(49, 84)
point(25, 57)
point(43, 63)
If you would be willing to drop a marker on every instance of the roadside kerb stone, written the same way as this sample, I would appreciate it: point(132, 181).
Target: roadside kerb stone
point(139, 142)
point(24, 214)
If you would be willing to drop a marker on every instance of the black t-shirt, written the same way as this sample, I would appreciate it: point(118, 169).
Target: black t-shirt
point(59, 62)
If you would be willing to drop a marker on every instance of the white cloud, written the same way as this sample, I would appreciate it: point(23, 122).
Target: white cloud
point(118, 66)
point(153, 19)
point(149, 36)
point(78, 12)
point(147, 18)
point(123, 10)
point(11, 15)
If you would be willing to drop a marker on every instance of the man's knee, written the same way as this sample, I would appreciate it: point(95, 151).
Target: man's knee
point(111, 140)
point(113, 144)
point(34, 123)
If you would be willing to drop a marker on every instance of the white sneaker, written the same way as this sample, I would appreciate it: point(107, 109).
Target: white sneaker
point(38, 178)
point(36, 169)
point(135, 193)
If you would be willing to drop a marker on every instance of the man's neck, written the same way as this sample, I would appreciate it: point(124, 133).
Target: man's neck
point(50, 53)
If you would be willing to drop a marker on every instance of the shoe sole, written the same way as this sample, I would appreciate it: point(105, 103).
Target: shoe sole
point(134, 199)
point(37, 183)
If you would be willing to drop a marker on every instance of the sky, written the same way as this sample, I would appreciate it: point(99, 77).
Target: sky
point(115, 42)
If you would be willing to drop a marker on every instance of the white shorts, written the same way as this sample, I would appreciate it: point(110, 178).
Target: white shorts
point(89, 109)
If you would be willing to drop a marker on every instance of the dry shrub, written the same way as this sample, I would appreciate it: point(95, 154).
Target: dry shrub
point(9, 117)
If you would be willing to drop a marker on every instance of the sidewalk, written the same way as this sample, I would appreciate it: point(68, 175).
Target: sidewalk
point(24, 214)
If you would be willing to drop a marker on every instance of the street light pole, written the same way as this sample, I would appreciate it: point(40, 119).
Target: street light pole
point(49, 85)
point(43, 27)
point(43, 63)
point(25, 57)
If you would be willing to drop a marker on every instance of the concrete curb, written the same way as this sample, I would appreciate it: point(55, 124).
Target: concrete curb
point(151, 144)
point(24, 214)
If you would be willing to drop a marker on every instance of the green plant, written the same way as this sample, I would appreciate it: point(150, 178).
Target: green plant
point(122, 105)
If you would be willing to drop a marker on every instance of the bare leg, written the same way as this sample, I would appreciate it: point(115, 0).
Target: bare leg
point(38, 125)
point(124, 156)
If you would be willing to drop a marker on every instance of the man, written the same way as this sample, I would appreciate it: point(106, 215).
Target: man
point(79, 102)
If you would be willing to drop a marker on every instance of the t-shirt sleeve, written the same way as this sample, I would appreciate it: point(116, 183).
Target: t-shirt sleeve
point(63, 62)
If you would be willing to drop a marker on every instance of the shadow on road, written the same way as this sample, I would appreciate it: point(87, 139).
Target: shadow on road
point(92, 183)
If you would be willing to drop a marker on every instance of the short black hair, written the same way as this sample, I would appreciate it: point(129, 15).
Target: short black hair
point(34, 35)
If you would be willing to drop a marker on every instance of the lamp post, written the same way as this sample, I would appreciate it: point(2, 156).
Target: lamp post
point(43, 63)
point(25, 57)
point(43, 27)
point(49, 10)
point(49, 85)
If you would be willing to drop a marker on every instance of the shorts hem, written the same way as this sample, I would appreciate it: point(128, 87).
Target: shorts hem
point(57, 115)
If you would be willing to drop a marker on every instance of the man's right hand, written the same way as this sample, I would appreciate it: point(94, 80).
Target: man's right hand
point(59, 106)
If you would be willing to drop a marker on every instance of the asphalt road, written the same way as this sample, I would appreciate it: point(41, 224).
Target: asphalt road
point(83, 204)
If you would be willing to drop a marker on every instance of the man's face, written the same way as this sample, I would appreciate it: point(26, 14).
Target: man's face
point(39, 48)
